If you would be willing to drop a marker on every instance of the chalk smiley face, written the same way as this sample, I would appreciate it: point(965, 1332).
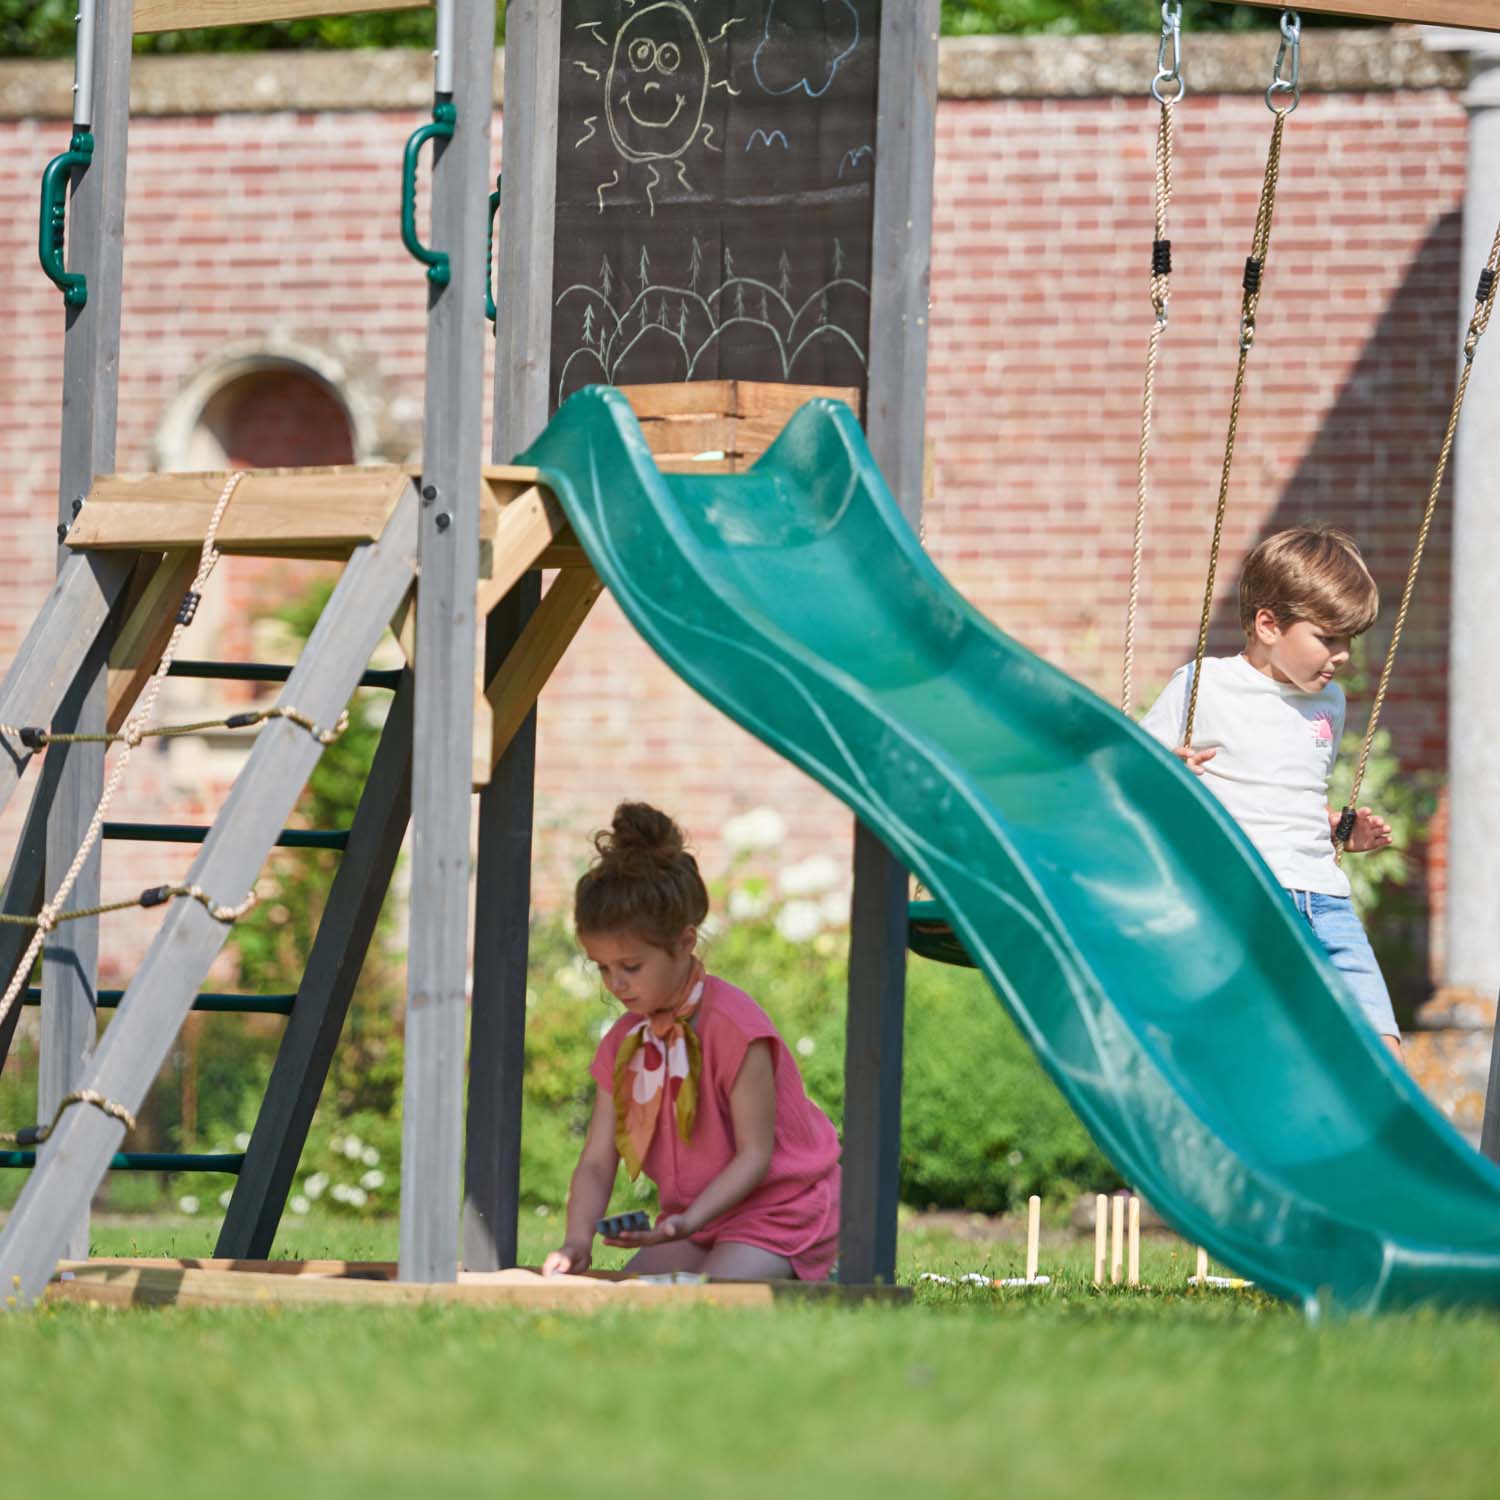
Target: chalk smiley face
point(656, 90)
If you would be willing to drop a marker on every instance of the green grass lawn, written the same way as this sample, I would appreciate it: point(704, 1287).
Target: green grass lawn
point(1065, 1391)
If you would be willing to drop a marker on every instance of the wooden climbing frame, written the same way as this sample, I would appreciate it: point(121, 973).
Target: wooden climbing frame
point(1478, 15)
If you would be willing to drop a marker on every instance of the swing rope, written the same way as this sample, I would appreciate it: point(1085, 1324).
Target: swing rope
point(1167, 88)
point(1484, 307)
point(1288, 90)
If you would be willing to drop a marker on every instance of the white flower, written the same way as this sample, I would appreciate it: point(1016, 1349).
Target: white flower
point(760, 828)
point(373, 1180)
point(806, 1046)
point(836, 908)
point(188, 1204)
point(354, 1148)
point(710, 927)
point(542, 1210)
point(225, 1196)
point(242, 1141)
point(1015, 1158)
point(314, 1185)
point(339, 1192)
point(299, 1204)
point(370, 1156)
point(746, 905)
point(336, 1145)
point(356, 1197)
point(798, 921)
point(810, 877)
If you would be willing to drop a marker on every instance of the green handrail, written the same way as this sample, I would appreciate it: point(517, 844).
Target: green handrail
point(148, 1161)
point(444, 118)
point(54, 218)
point(490, 310)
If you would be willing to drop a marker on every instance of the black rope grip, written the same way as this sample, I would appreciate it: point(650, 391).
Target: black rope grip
point(33, 736)
point(1486, 285)
point(241, 721)
point(188, 608)
point(1161, 257)
point(1347, 819)
point(31, 1135)
point(156, 895)
point(1253, 268)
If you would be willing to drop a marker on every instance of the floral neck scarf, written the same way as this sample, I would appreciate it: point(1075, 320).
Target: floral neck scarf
point(656, 1054)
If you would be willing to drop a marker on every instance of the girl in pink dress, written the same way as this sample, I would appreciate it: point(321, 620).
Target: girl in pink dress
point(695, 1086)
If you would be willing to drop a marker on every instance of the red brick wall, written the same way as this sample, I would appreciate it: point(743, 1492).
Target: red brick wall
point(242, 226)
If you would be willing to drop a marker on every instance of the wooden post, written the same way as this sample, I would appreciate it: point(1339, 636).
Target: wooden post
point(448, 548)
point(1116, 1239)
point(1478, 15)
point(1033, 1235)
point(895, 418)
point(1133, 1242)
point(91, 362)
point(1101, 1231)
point(323, 997)
point(523, 332)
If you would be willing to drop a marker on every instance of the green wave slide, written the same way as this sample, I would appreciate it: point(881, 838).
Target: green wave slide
point(1126, 924)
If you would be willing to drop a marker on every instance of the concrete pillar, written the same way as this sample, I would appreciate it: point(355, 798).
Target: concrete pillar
point(1472, 958)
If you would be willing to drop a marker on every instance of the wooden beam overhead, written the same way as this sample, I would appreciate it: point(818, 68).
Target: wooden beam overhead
point(1474, 15)
point(179, 15)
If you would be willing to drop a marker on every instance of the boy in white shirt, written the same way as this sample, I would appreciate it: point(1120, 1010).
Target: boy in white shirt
point(1266, 733)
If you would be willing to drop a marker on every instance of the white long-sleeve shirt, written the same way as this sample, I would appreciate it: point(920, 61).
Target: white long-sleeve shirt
point(1276, 749)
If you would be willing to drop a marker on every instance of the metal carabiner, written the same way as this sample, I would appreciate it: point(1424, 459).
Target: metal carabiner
point(1283, 81)
point(1169, 55)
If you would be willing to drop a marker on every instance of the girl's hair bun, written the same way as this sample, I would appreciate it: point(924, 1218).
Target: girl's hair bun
point(642, 879)
point(637, 828)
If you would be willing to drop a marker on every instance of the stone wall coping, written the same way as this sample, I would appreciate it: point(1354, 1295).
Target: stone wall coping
point(985, 67)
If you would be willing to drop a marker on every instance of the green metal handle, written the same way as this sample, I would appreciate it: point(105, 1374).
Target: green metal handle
point(53, 231)
point(444, 118)
point(490, 310)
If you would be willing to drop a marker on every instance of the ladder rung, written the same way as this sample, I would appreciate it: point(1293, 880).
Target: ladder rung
point(249, 1005)
point(183, 833)
point(147, 1161)
point(255, 671)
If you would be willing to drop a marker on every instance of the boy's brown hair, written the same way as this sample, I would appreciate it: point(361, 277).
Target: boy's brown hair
point(1312, 573)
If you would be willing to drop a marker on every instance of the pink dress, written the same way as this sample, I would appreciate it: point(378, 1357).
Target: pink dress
point(794, 1211)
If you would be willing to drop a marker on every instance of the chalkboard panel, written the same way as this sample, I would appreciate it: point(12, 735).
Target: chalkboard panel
point(715, 182)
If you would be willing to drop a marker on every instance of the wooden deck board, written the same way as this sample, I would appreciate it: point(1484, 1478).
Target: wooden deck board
point(139, 1282)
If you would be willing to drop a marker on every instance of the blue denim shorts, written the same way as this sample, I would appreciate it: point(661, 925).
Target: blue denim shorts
point(1338, 929)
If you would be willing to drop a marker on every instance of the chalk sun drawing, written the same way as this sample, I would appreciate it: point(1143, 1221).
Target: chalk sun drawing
point(656, 89)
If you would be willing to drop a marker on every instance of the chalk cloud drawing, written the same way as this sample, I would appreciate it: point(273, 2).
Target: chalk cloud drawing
point(678, 326)
point(780, 64)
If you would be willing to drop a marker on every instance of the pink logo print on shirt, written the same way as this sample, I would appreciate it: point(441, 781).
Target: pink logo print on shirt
point(1322, 728)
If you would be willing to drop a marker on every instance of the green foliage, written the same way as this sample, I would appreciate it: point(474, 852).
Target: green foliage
point(44, 28)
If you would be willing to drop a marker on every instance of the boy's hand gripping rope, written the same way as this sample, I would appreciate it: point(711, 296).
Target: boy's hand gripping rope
point(1484, 307)
point(1282, 98)
point(1167, 88)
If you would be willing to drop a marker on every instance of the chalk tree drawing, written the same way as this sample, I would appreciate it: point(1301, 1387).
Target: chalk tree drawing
point(618, 315)
point(656, 88)
point(780, 62)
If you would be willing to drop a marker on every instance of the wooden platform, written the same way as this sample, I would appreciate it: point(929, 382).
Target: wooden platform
point(136, 1282)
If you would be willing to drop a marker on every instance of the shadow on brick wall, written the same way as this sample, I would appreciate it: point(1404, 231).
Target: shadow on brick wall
point(1368, 471)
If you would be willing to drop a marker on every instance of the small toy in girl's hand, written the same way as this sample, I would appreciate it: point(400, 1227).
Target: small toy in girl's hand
point(635, 1222)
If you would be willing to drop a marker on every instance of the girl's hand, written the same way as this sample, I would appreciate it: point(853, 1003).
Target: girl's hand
point(1370, 833)
point(572, 1259)
point(1194, 759)
point(667, 1228)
